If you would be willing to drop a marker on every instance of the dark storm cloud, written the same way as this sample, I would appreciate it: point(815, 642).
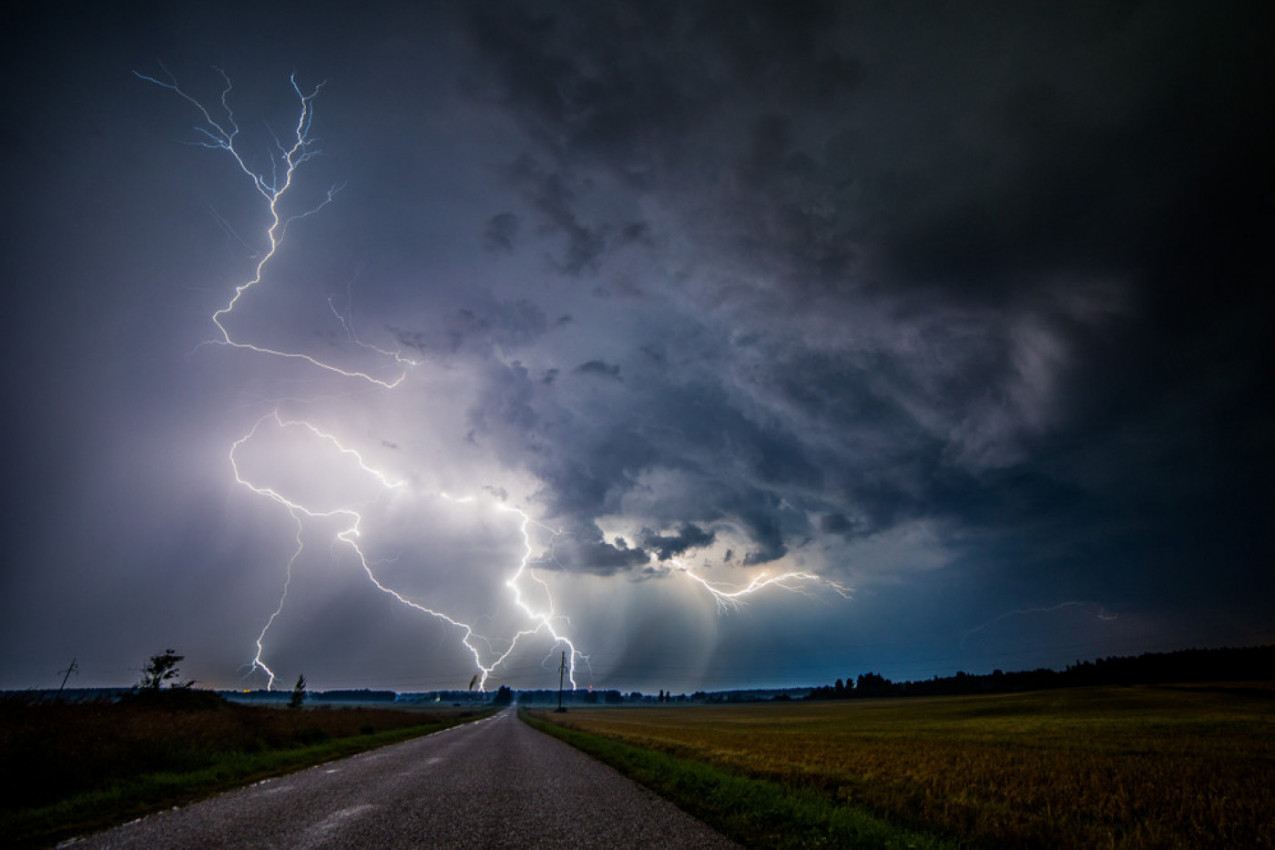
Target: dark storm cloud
point(637, 232)
point(666, 546)
point(600, 369)
point(488, 324)
point(593, 556)
point(589, 464)
point(836, 524)
point(1088, 135)
point(964, 304)
point(550, 194)
point(1048, 218)
point(504, 407)
point(501, 231)
point(653, 92)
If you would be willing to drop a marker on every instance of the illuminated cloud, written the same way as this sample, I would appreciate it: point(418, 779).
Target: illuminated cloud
point(964, 315)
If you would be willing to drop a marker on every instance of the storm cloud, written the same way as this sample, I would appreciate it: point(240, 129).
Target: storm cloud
point(962, 308)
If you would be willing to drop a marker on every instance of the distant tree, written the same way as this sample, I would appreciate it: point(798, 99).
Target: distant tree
point(503, 696)
point(298, 693)
point(873, 685)
point(163, 668)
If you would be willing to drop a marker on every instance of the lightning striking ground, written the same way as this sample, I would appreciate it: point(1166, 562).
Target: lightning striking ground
point(543, 621)
point(222, 133)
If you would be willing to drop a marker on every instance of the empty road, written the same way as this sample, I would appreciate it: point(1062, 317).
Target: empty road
point(493, 783)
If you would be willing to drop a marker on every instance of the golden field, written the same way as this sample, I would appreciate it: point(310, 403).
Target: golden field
point(1141, 767)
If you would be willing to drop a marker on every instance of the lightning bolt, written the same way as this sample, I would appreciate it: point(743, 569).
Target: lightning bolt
point(542, 620)
point(793, 582)
point(219, 131)
point(223, 135)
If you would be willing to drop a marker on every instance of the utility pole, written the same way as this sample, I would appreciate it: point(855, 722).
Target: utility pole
point(562, 668)
point(71, 668)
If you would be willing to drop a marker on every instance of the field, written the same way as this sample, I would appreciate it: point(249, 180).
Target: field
point(74, 767)
point(1091, 767)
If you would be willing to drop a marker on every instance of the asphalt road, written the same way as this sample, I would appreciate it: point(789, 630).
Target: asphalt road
point(493, 783)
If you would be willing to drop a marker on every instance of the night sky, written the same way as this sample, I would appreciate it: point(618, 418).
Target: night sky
point(963, 312)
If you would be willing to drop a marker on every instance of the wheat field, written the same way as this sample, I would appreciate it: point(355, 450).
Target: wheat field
point(1092, 767)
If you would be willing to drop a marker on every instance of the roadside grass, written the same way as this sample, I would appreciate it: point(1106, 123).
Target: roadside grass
point(78, 768)
point(1141, 767)
point(755, 812)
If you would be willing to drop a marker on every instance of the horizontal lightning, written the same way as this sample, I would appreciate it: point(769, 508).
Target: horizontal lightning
point(221, 132)
point(793, 582)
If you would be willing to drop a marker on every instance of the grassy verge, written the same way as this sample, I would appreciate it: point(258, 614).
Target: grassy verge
point(165, 769)
point(754, 812)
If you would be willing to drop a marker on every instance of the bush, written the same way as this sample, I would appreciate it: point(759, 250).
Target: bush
point(176, 699)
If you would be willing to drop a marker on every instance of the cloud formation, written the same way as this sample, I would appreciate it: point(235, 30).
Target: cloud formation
point(964, 309)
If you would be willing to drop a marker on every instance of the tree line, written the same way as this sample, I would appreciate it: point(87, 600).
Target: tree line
point(1187, 665)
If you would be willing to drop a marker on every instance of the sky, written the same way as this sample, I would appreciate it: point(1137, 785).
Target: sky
point(704, 345)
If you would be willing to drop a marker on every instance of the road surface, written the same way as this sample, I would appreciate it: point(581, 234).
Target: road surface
point(493, 783)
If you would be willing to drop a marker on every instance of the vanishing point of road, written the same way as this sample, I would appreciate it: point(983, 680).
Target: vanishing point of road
point(492, 783)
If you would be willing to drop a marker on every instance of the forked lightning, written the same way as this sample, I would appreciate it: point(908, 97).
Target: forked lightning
point(221, 132)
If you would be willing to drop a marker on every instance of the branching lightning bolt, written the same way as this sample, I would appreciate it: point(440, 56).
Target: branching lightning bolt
point(793, 582)
point(223, 135)
point(543, 621)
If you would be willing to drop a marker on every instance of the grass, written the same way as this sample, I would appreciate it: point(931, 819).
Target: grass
point(755, 812)
point(1090, 767)
point(86, 766)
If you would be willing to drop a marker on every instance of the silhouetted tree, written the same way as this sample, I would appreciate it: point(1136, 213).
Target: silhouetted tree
point(298, 693)
point(163, 668)
point(873, 685)
point(503, 696)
